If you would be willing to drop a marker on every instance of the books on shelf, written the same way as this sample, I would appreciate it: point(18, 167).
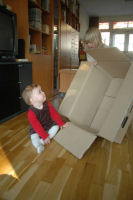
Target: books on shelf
point(35, 18)
point(34, 48)
point(68, 3)
point(45, 29)
point(44, 51)
point(45, 4)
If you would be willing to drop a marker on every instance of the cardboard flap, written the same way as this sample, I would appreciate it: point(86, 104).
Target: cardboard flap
point(108, 54)
point(75, 140)
point(115, 62)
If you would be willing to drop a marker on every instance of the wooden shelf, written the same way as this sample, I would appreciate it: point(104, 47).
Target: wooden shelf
point(34, 29)
point(70, 14)
point(43, 39)
point(37, 30)
point(42, 64)
point(45, 33)
point(33, 4)
point(68, 31)
point(32, 53)
point(45, 12)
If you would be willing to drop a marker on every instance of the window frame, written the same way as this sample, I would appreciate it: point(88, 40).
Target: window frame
point(126, 31)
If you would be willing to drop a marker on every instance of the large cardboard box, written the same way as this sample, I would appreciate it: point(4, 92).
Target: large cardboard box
point(99, 101)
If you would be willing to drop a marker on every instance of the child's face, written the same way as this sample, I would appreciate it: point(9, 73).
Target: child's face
point(38, 96)
point(90, 45)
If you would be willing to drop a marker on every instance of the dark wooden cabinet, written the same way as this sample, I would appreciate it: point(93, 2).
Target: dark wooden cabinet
point(9, 90)
point(69, 47)
point(68, 34)
point(42, 63)
point(25, 78)
point(13, 79)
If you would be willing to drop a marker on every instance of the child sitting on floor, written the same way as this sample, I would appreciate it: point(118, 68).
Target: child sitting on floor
point(44, 119)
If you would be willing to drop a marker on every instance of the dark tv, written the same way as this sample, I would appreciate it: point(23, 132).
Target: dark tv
point(8, 35)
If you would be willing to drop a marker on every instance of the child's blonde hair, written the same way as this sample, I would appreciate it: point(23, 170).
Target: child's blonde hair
point(27, 92)
point(93, 35)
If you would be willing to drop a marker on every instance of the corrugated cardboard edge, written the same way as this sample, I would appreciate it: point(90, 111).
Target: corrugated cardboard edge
point(76, 140)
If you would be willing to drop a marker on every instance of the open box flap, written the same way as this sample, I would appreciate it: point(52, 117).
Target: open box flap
point(75, 140)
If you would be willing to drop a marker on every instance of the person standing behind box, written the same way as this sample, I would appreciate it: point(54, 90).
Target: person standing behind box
point(93, 39)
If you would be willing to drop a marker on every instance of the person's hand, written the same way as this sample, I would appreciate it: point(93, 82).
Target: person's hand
point(47, 140)
point(66, 125)
point(95, 62)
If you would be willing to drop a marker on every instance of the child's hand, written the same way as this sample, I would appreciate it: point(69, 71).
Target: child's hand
point(95, 63)
point(47, 140)
point(66, 125)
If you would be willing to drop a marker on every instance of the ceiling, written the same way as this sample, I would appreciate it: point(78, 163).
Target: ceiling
point(107, 7)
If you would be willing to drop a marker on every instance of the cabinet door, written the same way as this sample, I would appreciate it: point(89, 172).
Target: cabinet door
point(25, 78)
point(9, 90)
point(74, 48)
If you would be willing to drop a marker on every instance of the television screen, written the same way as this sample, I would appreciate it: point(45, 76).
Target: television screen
point(8, 33)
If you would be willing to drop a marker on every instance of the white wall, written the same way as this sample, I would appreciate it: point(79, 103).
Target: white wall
point(84, 22)
point(108, 7)
point(116, 18)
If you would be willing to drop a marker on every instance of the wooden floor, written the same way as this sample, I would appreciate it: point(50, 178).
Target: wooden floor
point(104, 173)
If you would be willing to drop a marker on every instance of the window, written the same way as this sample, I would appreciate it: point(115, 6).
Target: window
point(117, 33)
point(126, 24)
point(104, 25)
point(117, 25)
point(130, 24)
point(130, 46)
point(105, 37)
point(119, 40)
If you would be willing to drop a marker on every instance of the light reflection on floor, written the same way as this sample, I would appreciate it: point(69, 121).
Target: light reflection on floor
point(5, 166)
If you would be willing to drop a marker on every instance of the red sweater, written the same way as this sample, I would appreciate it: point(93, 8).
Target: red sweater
point(42, 120)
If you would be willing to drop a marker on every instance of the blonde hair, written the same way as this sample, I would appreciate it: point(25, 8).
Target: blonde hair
point(27, 92)
point(93, 35)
